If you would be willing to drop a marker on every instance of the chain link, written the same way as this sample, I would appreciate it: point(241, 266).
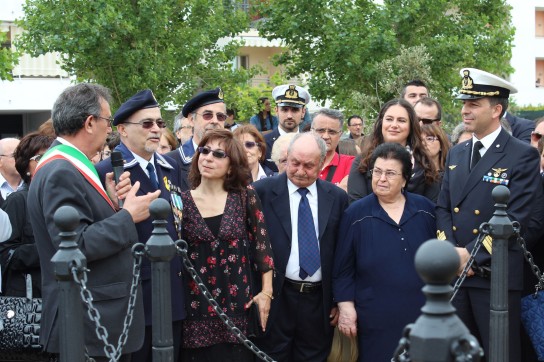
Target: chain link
point(112, 353)
point(402, 353)
point(181, 247)
point(529, 258)
point(470, 262)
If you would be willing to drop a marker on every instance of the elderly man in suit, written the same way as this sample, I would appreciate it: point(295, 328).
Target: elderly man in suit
point(473, 169)
point(205, 111)
point(302, 214)
point(65, 176)
point(140, 125)
point(291, 101)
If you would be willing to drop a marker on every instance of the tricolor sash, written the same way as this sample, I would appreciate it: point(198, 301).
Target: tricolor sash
point(80, 162)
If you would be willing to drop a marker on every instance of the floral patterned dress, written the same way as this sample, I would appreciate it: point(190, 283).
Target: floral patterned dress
point(222, 263)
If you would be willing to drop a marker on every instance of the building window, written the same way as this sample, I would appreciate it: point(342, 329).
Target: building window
point(539, 81)
point(242, 61)
point(539, 23)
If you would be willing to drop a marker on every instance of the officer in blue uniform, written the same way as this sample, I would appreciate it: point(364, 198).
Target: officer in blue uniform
point(205, 111)
point(473, 168)
point(140, 125)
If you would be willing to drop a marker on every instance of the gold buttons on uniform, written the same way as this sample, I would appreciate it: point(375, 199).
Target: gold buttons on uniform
point(454, 228)
point(475, 231)
point(476, 212)
point(456, 209)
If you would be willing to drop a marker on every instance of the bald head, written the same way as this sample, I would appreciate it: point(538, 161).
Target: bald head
point(305, 157)
point(7, 162)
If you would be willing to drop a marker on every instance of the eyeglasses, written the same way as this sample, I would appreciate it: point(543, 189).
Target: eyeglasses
point(148, 123)
point(536, 135)
point(431, 138)
point(109, 119)
point(321, 131)
point(8, 155)
point(428, 120)
point(389, 174)
point(215, 153)
point(208, 115)
point(250, 144)
point(36, 158)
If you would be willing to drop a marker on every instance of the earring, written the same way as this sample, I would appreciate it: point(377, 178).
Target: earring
point(28, 173)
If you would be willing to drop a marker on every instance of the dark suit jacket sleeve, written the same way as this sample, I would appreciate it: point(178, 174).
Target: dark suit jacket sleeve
point(343, 273)
point(443, 206)
point(97, 240)
point(357, 183)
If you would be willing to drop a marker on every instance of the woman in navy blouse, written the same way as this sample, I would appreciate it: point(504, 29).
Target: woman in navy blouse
point(374, 280)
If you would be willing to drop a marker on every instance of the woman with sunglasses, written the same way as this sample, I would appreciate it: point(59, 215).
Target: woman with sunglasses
point(397, 122)
point(228, 244)
point(437, 145)
point(18, 254)
point(255, 147)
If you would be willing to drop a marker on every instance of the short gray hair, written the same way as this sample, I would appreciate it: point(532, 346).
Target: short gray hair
point(320, 144)
point(75, 104)
point(177, 121)
point(331, 113)
point(280, 144)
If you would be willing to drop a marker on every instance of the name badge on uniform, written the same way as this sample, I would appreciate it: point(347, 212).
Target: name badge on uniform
point(497, 176)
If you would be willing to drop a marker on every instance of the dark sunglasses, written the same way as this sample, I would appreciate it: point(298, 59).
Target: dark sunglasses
point(536, 135)
point(207, 116)
point(215, 153)
point(427, 120)
point(147, 123)
point(250, 144)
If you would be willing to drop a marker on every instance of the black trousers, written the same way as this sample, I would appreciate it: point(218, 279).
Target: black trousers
point(145, 353)
point(473, 307)
point(297, 330)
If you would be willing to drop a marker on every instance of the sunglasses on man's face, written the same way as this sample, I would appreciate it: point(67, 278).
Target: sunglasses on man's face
point(148, 123)
point(428, 120)
point(208, 115)
point(215, 153)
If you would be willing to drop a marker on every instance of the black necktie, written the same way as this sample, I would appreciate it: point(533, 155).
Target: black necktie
point(476, 154)
point(308, 249)
point(152, 175)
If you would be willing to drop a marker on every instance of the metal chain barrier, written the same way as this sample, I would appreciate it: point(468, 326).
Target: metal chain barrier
point(112, 353)
point(529, 258)
point(181, 246)
point(402, 353)
point(470, 262)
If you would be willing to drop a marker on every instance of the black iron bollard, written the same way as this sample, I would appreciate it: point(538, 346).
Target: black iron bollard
point(160, 249)
point(70, 306)
point(439, 335)
point(500, 229)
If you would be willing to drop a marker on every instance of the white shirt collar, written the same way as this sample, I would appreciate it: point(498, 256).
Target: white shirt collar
point(261, 174)
point(282, 132)
point(293, 188)
point(143, 162)
point(488, 140)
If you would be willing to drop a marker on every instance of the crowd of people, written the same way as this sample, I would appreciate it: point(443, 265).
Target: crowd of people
point(311, 227)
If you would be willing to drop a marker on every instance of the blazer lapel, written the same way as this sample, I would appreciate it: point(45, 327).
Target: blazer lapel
point(280, 205)
point(324, 206)
point(491, 157)
point(460, 171)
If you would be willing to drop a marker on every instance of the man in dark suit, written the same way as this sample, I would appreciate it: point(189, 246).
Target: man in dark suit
point(473, 169)
point(140, 125)
point(291, 101)
point(302, 314)
point(521, 127)
point(65, 176)
point(205, 111)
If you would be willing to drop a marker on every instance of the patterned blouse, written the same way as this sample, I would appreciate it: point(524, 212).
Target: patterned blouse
point(222, 263)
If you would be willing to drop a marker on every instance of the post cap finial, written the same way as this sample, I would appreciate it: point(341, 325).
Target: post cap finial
point(437, 262)
point(159, 209)
point(501, 194)
point(66, 218)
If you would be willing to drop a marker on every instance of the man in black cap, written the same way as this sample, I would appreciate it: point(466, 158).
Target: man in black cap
point(205, 111)
point(473, 169)
point(140, 125)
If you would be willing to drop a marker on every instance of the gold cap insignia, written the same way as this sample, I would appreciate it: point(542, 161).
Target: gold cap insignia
point(291, 92)
point(467, 80)
point(440, 235)
point(220, 95)
point(452, 167)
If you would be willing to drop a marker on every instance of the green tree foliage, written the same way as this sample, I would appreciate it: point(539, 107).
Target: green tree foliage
point(169, 46)
point(8, 58)
point(359, 53)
